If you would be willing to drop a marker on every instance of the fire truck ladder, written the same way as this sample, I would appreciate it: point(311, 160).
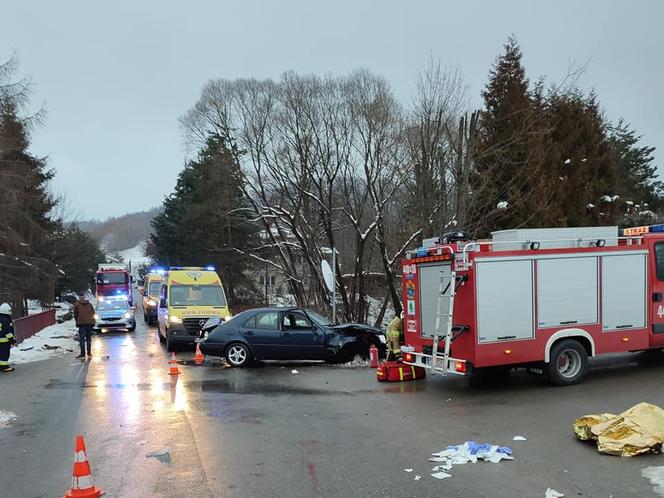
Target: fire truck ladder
point(443, 286)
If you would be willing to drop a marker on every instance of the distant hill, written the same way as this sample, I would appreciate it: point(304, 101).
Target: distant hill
point(121, 233)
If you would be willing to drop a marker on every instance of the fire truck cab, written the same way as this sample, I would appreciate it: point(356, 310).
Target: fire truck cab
point(113, 282)
point(545, 299)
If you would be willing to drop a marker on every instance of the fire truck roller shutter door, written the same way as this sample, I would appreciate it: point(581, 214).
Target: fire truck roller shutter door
point(567, 291)
point(624, 292)
point(429, 282)
point(504, 300)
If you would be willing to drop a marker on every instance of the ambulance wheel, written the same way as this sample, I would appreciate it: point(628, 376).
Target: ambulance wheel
point(170, 347)
point(568, 363)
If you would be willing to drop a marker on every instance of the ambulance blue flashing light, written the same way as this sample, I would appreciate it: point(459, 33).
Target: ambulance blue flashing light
point(210, 268)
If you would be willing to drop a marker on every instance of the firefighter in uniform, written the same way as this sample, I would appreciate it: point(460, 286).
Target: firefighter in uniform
point(393, 337)
point(6, 337)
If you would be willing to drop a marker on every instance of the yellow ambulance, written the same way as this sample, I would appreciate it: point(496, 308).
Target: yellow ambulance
point(150, 292)
point(189, 296)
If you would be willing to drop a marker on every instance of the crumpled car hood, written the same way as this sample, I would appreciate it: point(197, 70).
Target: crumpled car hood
point(349, 327)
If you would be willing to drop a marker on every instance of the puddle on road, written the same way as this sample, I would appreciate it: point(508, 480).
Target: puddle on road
point(222, 386)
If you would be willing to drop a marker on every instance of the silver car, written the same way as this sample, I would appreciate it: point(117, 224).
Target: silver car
point(115, 314)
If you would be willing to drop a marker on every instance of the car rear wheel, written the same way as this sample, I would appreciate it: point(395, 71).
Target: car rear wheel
point(238, 355)
point(568, 363)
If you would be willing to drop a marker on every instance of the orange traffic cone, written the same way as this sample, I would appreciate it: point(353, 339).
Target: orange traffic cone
point(81, 482)
point(198, 357)
point(174, 366)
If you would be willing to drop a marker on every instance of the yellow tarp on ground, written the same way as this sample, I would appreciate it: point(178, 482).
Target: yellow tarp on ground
point(637, 430)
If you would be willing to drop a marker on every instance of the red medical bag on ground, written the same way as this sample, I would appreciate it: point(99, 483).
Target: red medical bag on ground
point(396, 371)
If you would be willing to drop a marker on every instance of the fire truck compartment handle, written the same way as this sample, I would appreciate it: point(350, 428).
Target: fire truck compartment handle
point(657, 297)
point(627, 326)
point(507, 337)
point(568, 322)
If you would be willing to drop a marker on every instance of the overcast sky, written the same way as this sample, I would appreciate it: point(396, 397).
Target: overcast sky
point(115, 76)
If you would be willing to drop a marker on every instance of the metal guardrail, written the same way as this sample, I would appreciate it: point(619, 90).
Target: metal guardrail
point(29, 325)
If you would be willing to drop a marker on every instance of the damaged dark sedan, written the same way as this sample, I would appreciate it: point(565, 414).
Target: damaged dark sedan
point(287, 334)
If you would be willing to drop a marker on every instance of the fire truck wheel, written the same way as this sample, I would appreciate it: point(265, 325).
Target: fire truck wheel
point(568, 363)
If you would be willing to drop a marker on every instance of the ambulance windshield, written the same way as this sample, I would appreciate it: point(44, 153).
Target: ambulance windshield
point(197, 295)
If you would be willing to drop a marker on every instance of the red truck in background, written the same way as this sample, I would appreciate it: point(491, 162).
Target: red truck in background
point(544, 299)
point(113, 281)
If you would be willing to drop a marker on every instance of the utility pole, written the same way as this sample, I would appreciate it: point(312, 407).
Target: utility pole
point(334, 285)
point(267, 301)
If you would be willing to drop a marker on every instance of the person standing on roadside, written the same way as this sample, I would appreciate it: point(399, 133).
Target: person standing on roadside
point(6, 337)
point(84, 314)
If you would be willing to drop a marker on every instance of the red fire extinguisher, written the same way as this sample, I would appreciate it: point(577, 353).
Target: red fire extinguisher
point(373, 356)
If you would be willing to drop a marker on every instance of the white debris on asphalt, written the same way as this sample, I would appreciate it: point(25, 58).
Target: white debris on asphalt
point(468, 452)
point(441, 475)
point(552, 493)
point(52, 341)
point(294, 372)
point(407, 470)
point(6, 418)
point(656, 477)
point(519, 438)
point(417, 478)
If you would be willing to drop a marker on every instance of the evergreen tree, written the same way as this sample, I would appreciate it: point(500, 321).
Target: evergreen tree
point(638, 182)
point(205, 217)
point(580, 165)
point(510, 153)
point(76, 255)
point(26, 225)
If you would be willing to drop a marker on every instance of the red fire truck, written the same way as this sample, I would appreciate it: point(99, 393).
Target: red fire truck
point(545, 299)
point(113, 281)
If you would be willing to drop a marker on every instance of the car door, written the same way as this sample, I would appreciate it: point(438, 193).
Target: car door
point(262, 333)
point(300, 338)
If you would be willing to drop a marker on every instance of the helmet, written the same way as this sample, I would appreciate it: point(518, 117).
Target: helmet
point(5, 309)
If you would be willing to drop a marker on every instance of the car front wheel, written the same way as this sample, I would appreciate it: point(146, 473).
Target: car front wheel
point(238, 355)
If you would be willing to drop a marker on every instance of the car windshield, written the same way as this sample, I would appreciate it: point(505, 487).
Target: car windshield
point(153, 289)
point(116, 277)
point(112, 305)
point(319, 319)
point(197, 295)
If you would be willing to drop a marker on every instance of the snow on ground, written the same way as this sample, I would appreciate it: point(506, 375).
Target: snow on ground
point(6, 418)
point(61, 309)
point(358, 362)
point(56, 340)
point(136, 255)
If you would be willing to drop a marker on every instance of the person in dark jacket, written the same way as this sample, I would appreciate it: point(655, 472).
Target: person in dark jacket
point(6, 337)
point(84, 314)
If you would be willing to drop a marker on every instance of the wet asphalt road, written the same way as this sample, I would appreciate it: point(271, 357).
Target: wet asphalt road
point(327, 431)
